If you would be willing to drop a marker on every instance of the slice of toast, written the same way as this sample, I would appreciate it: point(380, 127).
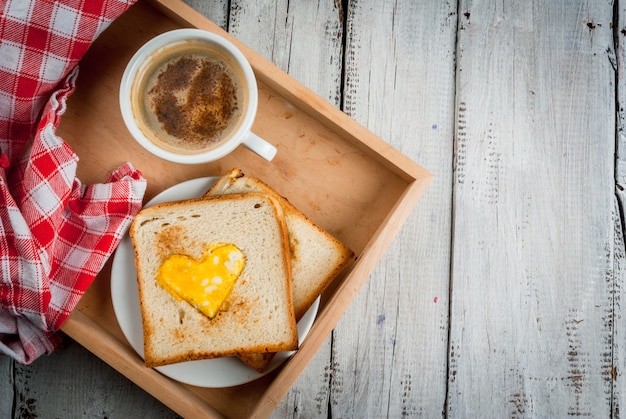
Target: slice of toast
point(258, 314)
point(316, 256)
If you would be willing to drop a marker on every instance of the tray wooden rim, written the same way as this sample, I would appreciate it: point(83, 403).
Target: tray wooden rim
point(180, 397)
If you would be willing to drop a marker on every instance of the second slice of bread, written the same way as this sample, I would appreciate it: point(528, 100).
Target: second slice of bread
point(316, 256)
point(258, 315)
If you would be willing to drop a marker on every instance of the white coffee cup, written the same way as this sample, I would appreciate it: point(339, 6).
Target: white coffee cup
point(134, 90)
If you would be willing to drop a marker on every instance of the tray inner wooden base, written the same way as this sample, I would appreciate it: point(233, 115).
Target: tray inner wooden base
point(322, 167)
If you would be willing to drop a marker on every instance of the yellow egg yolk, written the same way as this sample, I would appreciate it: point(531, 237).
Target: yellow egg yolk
point(205, 284)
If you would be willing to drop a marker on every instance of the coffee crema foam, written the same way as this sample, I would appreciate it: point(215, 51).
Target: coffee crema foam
point(188, 99)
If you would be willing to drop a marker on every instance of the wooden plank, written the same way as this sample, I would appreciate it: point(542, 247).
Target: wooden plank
point(303, 39)
point(619, 270)
point(72, 382)
point(216, 10)
point(7, 392)
point(389, 350)
point(618, 321)
point(534, 229)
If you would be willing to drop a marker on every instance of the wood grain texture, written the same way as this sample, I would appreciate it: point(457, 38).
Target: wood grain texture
point(617, 319)
point(619, 265)
point(7, 394)
point(90, 389)
point(534, 233)
point(389, 349)
point(215, 10)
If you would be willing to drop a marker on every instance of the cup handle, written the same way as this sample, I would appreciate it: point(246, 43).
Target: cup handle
point(259, 146)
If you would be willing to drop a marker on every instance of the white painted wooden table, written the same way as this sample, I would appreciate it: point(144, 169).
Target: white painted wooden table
point(501, 296)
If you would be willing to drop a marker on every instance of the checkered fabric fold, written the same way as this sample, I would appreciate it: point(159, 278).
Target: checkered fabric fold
point(55, 233)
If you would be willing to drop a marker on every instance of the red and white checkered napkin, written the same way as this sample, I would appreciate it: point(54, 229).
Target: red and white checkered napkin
point(55, 233)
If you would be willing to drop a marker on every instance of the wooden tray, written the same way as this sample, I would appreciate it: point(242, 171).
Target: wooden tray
point(342, 176)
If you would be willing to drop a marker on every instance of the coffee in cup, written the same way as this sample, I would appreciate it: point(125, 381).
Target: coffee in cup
point(187, 98)
point(190, 96)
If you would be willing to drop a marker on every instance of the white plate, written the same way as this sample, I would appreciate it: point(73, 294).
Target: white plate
point(220, 372)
